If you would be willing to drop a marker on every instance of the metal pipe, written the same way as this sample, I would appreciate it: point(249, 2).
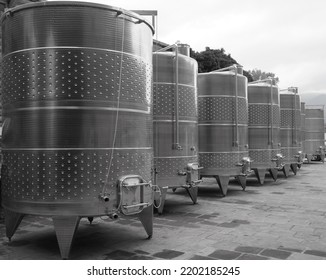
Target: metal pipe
point(272, 127)
point(294, 115)
point(173, 46)
point(176, 104)
point(236, 144)
point(232, 67)
point(176, 144)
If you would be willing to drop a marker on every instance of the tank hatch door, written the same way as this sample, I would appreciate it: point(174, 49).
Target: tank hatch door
point(135, 194)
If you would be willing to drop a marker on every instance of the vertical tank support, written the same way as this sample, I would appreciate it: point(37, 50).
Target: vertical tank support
point(146, 218)
point(242, 179)
point(273, 172)
point(260, 174)
point(65, 228)
point(12, 222)
point(223, 182)
point(193, 192)
point(286, 170)
point(294, 168)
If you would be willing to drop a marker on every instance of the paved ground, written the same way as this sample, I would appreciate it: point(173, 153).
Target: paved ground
point(285, 219)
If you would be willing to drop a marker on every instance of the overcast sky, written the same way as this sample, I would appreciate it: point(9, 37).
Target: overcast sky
point(286, 37)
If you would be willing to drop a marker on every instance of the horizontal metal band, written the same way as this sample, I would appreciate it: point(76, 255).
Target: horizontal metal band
point(71, 47)
point(266, 104)
point(290, 109)
point(314, 118)
point(176, 157)
point(230, 152)
point(264, 150)
point(230, 96)
point(81, 108)
point(173, 84)
point(173, 121)
point(222, 124)
point(73, 149)
point(314, 140)
point(262, 126)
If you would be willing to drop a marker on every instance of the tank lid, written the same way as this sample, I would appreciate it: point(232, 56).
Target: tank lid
point(261, 84)
point(184, 49)
point(78, 4)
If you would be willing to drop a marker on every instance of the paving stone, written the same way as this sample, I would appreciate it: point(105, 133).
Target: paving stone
point(224, 255)
point(192, 215)
point(228, 225)
point(119, 255)
point(206, 216)
point(198, 257)
point(290, 249)
point(141, 252)
point(316, 253)
point(278, 193)
point(243, 222)
point(301, 256)
point(168, 254)
point(209, 223)
point(249, 249)
point(251, 257)
point(277, 254)
point(141, 257)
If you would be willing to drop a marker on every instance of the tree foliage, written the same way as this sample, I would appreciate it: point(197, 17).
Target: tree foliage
point(210, 60)
point(258, 74)
point(214, 59)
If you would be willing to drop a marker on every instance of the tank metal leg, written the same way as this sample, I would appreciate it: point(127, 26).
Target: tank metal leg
point(160, 200)
point(146, 218)
point(242, 181)
point(309, 158)
point(223, 182)
point(90, 219)
point(273, 172)
point(286, 170)
point(260, 174)
point(12, 221)
point(294, 168)
point(65, 228)
point(193, 192)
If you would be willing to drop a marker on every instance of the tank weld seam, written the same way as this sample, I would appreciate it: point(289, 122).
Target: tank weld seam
point(230, 152)
point(262, 126)
point(228, 96)
point(70, 48)
point(170, 121)
point(184, 85)
point(264, 150)
point(147, 112)
point(176, 157)
point(75, 149)
point(220, 124)
point(314, 118)
point(266, 104)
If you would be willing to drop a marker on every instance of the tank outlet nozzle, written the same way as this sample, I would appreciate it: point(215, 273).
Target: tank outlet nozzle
point(113, 216)
point(105, 197)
